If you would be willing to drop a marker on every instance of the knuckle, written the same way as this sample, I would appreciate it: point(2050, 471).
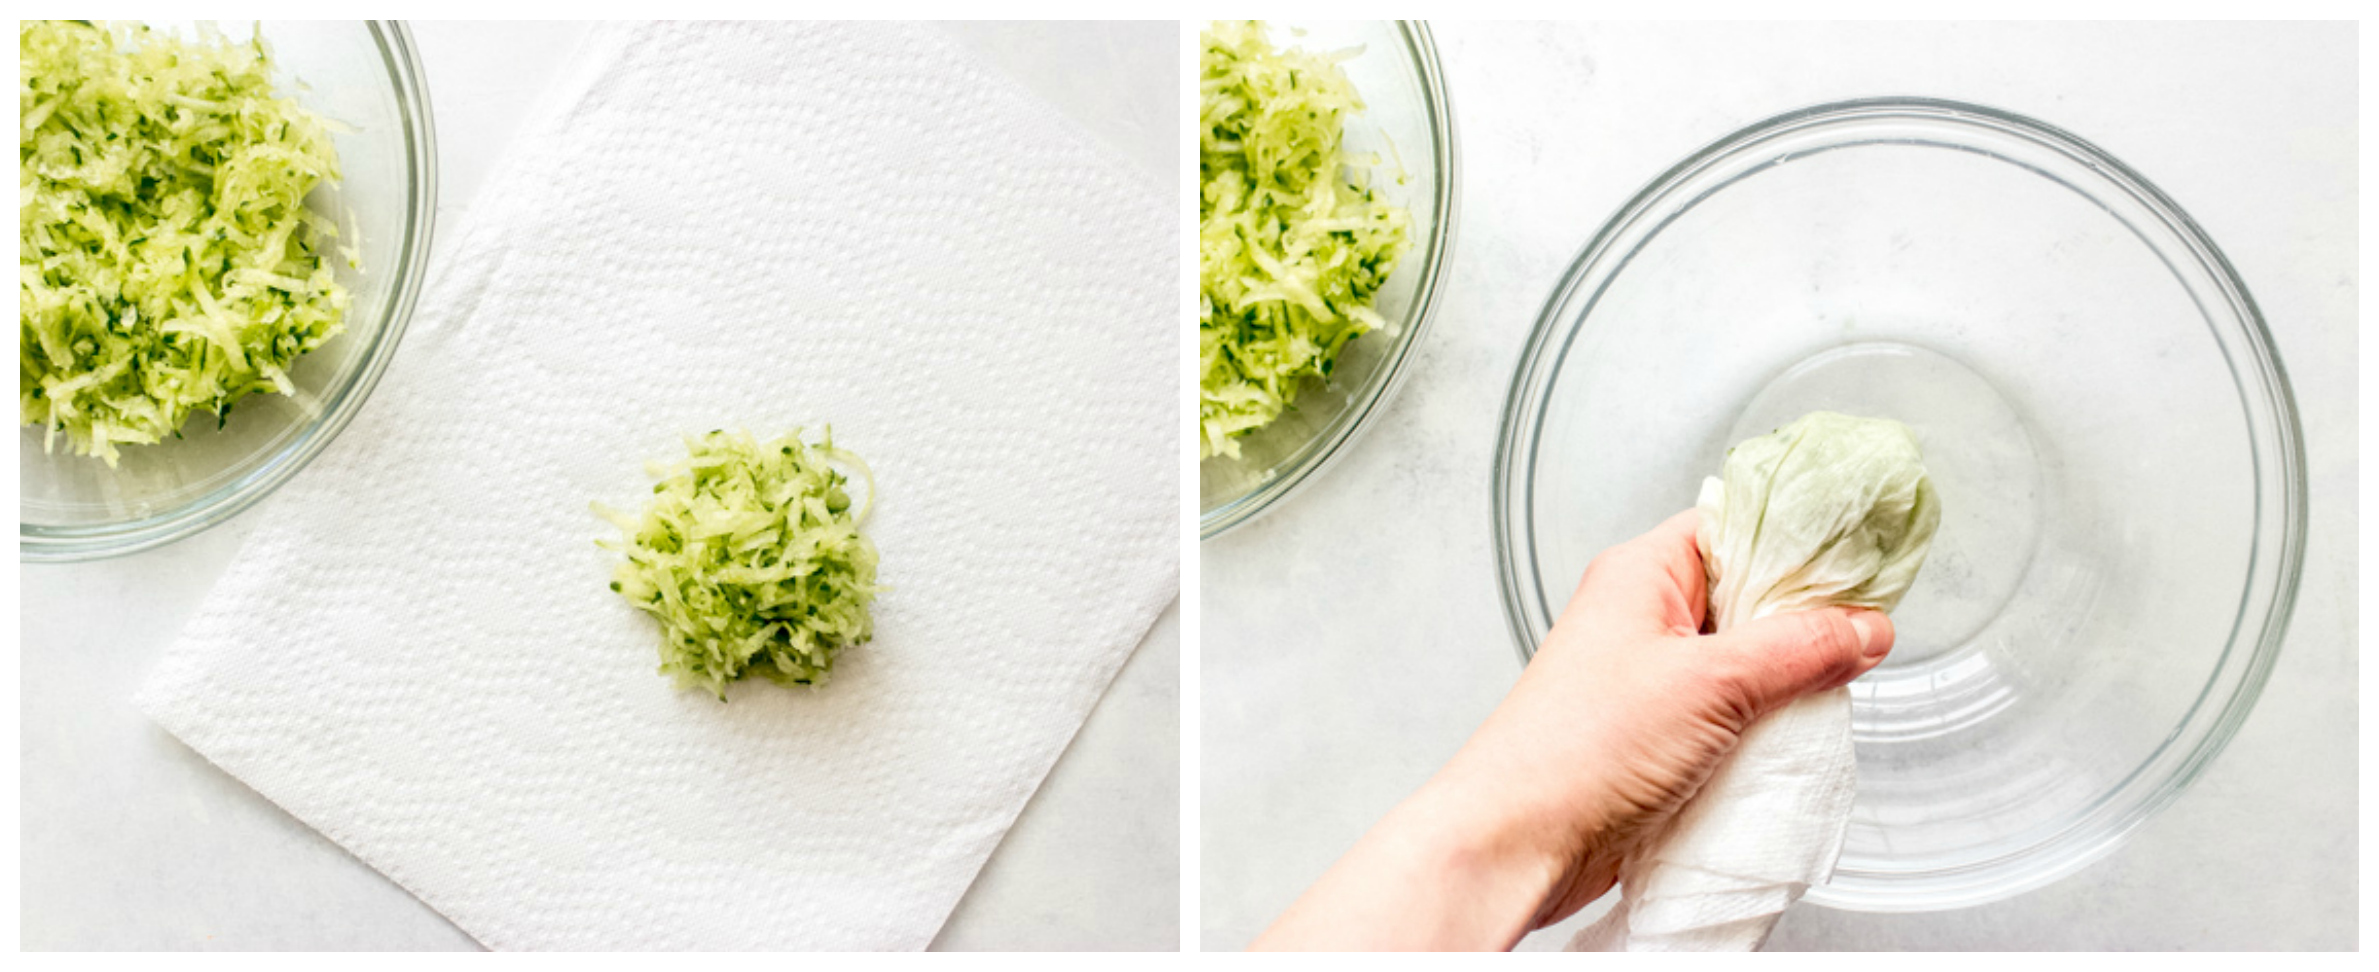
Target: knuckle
point(1831, 635)
point(1821, 642)
point(1802, 652)
point(1612, 560)
point(1724, 688)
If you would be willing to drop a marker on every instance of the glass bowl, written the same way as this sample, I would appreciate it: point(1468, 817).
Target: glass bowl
point(366, 76)
point(1408, 122)
point(2113, 437)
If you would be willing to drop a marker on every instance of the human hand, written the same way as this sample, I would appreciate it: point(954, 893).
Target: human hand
point(1626, 710)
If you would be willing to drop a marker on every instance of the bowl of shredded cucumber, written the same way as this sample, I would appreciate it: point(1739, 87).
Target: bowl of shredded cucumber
point(222, 231)
point(1326, 212)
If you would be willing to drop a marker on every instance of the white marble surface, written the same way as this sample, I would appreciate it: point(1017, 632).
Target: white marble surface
point(1353, 638)
point(131, 840)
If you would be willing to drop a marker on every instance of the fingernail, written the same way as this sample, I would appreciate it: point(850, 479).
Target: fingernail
point(1873, 644)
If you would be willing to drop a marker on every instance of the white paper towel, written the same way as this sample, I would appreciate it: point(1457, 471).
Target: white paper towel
point(1767, 825)
point(721, 226)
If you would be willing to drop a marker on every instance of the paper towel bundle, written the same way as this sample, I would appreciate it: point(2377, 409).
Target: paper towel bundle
point(714, 226)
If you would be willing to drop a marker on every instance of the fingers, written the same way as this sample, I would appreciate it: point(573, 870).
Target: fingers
point(1651, 584)
point(1782, 657)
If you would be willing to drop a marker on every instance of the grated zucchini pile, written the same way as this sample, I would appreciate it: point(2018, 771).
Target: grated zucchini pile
point(168, 263)
point(750, 556)
point(1292, 240)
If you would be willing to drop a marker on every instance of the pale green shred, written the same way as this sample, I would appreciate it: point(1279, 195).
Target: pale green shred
point(168, 263)
point(750, 557)
point(1293, 240)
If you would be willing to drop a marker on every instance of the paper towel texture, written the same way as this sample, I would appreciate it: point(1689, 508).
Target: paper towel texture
point(721, 226)
point(1767, 825)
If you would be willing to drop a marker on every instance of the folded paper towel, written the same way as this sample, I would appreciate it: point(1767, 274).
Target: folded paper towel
point(1765, 827)
point(721, 226)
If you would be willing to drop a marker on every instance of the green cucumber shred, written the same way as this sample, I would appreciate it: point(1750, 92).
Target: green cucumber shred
point(1293, 240)
point(749, 555)
point(168, 263)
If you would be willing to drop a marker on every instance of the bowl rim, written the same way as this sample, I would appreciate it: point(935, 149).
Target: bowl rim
point(44, 544)
point(2275, 438)
point(1421, 45)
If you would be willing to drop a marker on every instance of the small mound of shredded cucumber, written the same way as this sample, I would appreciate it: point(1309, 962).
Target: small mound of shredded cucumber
point(1293, 241)
point(750, 556)
point(168, 263)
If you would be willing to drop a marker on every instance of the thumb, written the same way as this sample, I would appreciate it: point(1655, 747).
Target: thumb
point(1783, 657)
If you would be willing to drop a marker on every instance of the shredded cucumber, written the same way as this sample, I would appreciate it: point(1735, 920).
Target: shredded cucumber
point(750, 556)
point(1293, 241)
point(168, 263)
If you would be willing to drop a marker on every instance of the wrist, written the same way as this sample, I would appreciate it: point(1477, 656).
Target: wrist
point(1437, 874)
point(1498, 867)
point(1548, 817)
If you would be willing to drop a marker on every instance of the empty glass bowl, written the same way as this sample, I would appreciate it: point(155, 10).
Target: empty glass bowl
point(1408, 123)
point(366, 76)
point(2112, 434)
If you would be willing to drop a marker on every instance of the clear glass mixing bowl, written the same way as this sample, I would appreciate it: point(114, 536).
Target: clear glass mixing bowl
point(1408, 122)
point(362, 74)
point(2105, 416)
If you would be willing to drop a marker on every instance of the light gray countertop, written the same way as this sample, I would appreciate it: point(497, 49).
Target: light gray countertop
point(1353, 638)
point(131, 840)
